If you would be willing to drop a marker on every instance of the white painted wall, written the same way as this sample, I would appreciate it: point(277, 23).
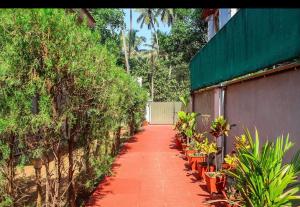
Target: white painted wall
point(210, 27)
point(224, 16)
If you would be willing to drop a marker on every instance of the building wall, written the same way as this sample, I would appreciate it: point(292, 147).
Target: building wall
point(224, 16)
point(203, 103)
point(211, 31)
point(271, 104)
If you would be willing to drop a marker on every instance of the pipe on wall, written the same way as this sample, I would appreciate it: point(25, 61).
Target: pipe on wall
point(222, 113)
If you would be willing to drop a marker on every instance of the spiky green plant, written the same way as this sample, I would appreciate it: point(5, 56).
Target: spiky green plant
point(261, 176)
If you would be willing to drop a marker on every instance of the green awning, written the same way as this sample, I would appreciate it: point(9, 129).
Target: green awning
point(253, 39)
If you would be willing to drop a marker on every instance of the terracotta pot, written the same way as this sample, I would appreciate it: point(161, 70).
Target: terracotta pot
point(227, 166)
point(184, 145)
point(211, 184)
point(221, 183)
point(202, 169)
point(178, 143)
point(145, 123)
point(215, 184)
point(189, 152)
point(194, 160)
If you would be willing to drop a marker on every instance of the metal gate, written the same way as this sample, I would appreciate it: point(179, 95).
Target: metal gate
point(164, 112)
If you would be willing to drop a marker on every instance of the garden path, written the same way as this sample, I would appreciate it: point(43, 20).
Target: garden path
point(149, 172)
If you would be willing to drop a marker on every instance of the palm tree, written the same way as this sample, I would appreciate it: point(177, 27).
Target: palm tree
point(151, 56)
point(134, 42)
point(167, 15)
point(149, 18)
point(125, 51)
point(130, 33)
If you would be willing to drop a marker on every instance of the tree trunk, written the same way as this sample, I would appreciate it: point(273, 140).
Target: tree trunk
point(87, 159)
point(71, 191)
point(57, 189)
point(117, 139)
point(170, 71)
point(130, 33)
point(152, 78)
point(156, 38)
point(48, 179)
point(11, 166)
point(37, 168)
point(125, 52)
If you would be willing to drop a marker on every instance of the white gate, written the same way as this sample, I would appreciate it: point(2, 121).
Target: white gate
point(163, 112)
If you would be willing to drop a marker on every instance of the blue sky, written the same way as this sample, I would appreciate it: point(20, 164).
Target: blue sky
point(142, 31)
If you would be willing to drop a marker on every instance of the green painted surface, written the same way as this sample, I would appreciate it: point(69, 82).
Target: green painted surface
point(252, 40)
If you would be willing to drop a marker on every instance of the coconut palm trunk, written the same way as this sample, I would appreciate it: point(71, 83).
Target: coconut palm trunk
point(125, 51)
point(152, 78)
point(156, 38)
point(130, 33)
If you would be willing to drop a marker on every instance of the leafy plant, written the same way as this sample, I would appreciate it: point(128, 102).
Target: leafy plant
point(219, 127)
point(186, 123)
point(261, 176)
point(231, 159)
point(241, 142)
point(185, 101)
point(208, 149)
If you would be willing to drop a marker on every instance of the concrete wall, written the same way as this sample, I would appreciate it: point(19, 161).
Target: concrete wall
point(204, 103)
point(271, 104)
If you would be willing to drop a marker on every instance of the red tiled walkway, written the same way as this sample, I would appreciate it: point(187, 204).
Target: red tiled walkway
point(150, 173)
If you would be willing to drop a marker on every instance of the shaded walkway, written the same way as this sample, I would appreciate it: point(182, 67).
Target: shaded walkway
point(149, 172)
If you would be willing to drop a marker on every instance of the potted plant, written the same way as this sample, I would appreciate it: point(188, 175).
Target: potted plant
point(230, 161)
point(190, 149)
point(198, 156)
point(215, 181)
point(232, 198)
point(178, 140)
point(219, 127)
point(208, 149)
point(186, 126)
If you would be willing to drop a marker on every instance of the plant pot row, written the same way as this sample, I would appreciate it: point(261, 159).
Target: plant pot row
point(215, 184)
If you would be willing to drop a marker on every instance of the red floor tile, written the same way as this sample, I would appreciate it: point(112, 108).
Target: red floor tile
point(150, 173)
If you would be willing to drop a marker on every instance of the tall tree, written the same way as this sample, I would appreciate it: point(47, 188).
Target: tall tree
point(130, 34)
point(134, 42)
point(125, 51)
point(167, 16)
point(109, 23)
point(148, 17)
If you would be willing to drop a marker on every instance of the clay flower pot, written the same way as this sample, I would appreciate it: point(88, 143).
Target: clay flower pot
point(184, 146)
point(194, 160)
point(211, 183)
point(189, 152)
point(202, 169)
point(178, 143)
point(215, 184)
point(226, 166)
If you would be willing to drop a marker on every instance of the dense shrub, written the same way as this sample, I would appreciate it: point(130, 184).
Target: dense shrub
point(60, 91)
